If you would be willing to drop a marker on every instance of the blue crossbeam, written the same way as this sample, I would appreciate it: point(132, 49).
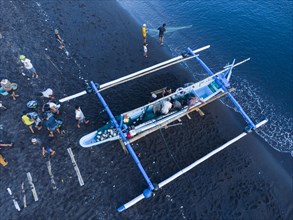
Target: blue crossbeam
point(122, 136)
point(238, 106)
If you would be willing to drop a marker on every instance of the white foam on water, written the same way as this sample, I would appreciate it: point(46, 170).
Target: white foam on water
point(278, 132)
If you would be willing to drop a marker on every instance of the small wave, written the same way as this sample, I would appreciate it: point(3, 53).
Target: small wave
point(278, 131)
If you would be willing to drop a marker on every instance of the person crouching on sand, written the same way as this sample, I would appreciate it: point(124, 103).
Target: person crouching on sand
point(48, 94)
point(7, 86)
point(29, 66)
point(52, 124)
point(30, 122)
point(38, 142)
point(79, 116)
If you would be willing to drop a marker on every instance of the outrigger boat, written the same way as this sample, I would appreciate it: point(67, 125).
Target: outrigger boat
point(142, 120)
point(135, 124)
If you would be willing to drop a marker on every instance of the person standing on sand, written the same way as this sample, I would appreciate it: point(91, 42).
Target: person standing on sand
point(79, 116)
point(29, 66)
point(144, 33)
point(145, 50)
point(162, 30)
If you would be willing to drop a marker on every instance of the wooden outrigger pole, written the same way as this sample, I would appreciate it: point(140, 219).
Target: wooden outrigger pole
point(137, 74)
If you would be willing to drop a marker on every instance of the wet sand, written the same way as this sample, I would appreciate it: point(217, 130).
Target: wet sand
point(248, 180)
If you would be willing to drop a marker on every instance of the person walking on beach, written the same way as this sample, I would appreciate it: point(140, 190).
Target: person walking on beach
point(162, 30)
point(59, 39)
point(29, 66)
point(79, 116)
point(144, 33)
point(145, 50)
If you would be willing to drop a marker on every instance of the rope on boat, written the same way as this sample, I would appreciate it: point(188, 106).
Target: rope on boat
point(166, 144)
point(174, 159)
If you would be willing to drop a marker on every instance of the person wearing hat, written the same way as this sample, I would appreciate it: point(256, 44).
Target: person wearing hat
point(7, 86)
point(144, 32)
point(29, 66)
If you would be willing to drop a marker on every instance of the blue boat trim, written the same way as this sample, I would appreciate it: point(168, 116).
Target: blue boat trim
point(238, 106)
point(124, 139)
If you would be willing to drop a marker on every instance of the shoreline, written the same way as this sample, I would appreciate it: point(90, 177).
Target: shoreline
point(108, 50)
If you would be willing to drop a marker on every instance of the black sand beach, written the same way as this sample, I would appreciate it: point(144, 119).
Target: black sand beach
point(249, 180)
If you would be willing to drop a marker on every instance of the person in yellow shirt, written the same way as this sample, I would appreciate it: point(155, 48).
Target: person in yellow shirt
point(3, 162)
point(30, 122)
point(144, 33)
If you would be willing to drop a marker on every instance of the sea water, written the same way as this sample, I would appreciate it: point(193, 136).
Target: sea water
point(261, 30)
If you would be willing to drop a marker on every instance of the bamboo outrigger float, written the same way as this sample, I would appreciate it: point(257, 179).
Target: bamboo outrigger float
point(137, 123)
